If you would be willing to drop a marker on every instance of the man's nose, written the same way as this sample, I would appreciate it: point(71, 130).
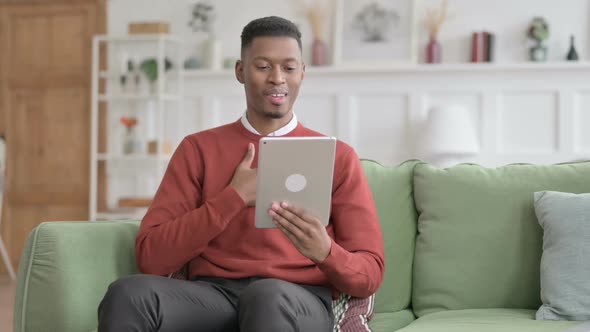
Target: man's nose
point(276, 75)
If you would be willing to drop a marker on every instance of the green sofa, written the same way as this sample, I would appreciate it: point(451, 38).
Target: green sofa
point(462, 244)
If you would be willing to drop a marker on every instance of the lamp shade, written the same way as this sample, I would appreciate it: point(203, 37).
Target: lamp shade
point(450, 131)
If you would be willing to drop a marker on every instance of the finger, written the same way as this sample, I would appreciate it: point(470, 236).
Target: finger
point(286, 214)
point(301, 213)
point(305, 226)
point(287, 233)
point(249, 157)
point(292, 223)
point(287, 224)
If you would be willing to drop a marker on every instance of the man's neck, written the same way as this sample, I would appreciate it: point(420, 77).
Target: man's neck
point(265, 125)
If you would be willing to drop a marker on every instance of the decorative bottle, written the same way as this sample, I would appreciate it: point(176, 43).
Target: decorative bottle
point(572, 54)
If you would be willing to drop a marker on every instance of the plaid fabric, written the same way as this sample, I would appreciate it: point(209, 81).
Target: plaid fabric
point(181, 274)
point(351, 314)
point(339, 307)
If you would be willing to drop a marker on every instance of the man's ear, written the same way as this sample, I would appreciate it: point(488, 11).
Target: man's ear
point(239, 69)
point(303, 71)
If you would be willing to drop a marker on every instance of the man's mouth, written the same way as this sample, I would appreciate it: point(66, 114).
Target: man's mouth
point(277, 98)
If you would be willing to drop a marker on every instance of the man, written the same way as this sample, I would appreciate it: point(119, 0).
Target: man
point(202, 217)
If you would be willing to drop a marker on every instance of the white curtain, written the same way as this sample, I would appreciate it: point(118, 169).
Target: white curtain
point(3, 251)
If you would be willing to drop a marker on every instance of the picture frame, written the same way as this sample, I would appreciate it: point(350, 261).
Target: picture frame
point(371, 33)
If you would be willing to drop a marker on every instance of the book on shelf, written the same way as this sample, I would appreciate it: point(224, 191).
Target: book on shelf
point(482, 46)
point(138, 28)
point(134, 202)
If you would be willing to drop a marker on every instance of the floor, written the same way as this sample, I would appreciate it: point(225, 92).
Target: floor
point(7, 289)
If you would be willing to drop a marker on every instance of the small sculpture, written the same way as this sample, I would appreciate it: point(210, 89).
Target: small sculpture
point(203, 17)
point(375, 21)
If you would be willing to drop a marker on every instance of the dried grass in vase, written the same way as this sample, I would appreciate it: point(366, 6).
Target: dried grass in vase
point(316, 14)
point(435, 18)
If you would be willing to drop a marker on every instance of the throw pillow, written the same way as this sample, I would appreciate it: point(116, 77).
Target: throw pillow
point(352, 314)
point(565, 269)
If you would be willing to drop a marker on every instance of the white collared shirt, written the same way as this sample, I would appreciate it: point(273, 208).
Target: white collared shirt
point(279, 132)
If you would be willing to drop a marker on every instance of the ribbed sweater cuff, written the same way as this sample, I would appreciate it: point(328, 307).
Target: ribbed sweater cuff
point(337, 259)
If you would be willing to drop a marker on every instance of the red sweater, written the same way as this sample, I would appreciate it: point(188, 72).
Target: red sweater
point(197, 217)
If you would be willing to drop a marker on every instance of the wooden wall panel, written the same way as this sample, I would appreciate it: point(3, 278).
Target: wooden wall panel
point(45, 111)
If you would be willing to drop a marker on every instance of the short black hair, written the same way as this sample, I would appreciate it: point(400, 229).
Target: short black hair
point(271, 26)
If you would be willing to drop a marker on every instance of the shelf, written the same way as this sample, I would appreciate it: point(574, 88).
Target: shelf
point(169, 75)
point(113, 173)
point(122, 214)
point(414, 68)
point(139, 38)
point(132, 97)
point(134, 157)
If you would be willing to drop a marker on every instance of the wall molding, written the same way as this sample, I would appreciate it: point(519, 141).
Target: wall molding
point(514, 107)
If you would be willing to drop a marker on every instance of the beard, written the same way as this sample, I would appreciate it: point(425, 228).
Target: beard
point(276, 113)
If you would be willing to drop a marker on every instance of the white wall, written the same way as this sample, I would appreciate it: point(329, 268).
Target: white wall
point(507, 18)
point(231, 18)
point(521, 113)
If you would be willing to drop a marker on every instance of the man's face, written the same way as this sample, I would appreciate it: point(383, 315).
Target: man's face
point(271, 70)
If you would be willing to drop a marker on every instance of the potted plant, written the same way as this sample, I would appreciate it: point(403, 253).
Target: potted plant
point(202, 19)
point(150, 68)
point(538, 31)
point(130, 143)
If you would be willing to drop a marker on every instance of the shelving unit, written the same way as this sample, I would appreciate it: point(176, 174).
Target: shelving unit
point(117, 175)
point(414, 68)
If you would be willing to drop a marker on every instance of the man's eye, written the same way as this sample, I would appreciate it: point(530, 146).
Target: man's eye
point(291, 68)
point(263, 67)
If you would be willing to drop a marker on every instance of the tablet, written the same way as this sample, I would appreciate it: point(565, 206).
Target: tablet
point(298, 170)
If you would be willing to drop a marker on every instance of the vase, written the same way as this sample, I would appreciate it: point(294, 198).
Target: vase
point(153, 87)
point(572, 54)
point(433, 51)
point(538, 53)
point(130, 143)
point(214, 54)
point(318, 52)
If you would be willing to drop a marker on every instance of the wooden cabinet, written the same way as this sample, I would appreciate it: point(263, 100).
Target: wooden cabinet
point(45, 107)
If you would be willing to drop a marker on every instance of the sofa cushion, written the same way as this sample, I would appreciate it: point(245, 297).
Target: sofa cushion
point(486, 320)
point(392, 191)
point(479, 242)
point(391, 321)
point(565, 272)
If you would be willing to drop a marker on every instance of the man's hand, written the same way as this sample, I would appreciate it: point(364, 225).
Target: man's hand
point(305, 231)
point(244, 180)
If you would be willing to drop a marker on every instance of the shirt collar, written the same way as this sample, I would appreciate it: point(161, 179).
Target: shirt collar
point(279, 132)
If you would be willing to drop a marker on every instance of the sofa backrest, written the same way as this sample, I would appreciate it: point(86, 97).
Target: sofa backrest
point(392, 191)
point(479, 243)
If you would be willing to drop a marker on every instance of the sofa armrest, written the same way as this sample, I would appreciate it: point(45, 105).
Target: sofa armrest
point(65, 270)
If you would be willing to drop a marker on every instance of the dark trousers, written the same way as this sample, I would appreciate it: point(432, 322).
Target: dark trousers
point(152, 303)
